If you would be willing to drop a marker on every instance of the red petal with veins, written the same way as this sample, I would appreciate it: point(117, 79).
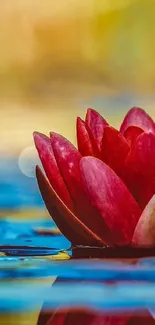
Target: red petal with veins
point(144, 234)
point(108, 194)
point(83, 139)
point(71, 227)
point(114, 149)
point(43, 145)
point(131, 134)
point(138, 117)
point(95, 124)
point(68, 159)
point(140, 166)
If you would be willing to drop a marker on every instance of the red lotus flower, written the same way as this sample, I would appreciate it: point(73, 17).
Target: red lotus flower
point(102, 193)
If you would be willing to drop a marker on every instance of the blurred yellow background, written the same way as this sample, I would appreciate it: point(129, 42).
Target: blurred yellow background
point(59, 57)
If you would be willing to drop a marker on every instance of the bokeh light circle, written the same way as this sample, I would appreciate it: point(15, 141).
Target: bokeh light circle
point(28, 160)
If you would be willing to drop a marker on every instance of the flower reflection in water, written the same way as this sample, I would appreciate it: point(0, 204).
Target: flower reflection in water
point(81, 316)
point(86, 316)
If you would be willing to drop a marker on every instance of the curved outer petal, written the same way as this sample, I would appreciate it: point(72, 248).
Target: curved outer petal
point(106, 191)
point(140, 168)
point(67, 222)
point(138, 117)
point(95, 124)
point(144, 234)
point(68, 159)
point(131, 134)
point(45, 151)
point(114, 149)
point(83, 139)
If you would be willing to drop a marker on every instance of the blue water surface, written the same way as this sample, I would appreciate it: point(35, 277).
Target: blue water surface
point(16, 189)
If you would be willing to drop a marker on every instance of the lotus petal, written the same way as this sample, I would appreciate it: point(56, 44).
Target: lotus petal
point(144, 234)
point(108, 194)
point(45, 151)
point(83, 139)
point(71, 227)
point(140, 166)
point(131, 134)
point(68, 159)
point(95, 124)
point(138, 117)
point(114, 149)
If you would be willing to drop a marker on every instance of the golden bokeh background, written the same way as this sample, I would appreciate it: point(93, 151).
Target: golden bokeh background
point(59, 57)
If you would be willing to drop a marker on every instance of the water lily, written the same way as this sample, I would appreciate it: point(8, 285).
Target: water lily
point(103, 192)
